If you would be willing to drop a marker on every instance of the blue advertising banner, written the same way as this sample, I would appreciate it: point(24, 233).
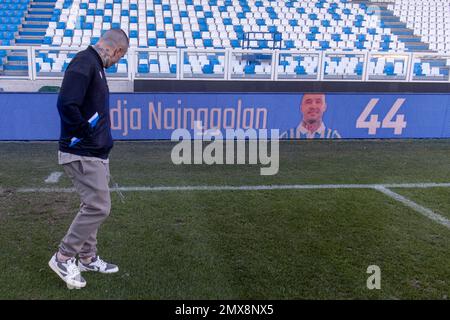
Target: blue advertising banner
point(303, 116)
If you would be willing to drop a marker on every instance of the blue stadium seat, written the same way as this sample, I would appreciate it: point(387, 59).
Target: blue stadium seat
point(112, 69)
point(235, 43)
point(324, 45)
point(143, 68)
point(289, 44)
point(94, 40)
point(207, 69)
point(249, 69)
point(359, 68)
point(207, 43)
point(300, 70)
point(389, 69)
point(133, 34)
point(171, 43)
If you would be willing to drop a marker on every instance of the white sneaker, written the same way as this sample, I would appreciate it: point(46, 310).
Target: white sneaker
point(98, 265)
point(68, 272)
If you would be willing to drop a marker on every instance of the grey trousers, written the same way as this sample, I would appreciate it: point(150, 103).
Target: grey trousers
point(91, 181)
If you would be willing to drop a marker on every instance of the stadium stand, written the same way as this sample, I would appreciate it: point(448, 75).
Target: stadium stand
point(429, 20)
point(213, 25)
point(317, 24)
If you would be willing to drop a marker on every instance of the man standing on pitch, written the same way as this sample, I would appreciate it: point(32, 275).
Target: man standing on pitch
point(84, 147)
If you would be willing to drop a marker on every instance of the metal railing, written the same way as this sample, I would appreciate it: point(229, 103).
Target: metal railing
point(269, 61)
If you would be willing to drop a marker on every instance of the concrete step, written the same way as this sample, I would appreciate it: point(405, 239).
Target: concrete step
point(14, 54)
point(415, 46)
point(409, 38)
point(31, 37)
point(391, 19)
point(386, 13)
point(44, 11)
point(17, 62)
point(14, 73)
point(33, 30)
point(393, 24)
point(380, 4)
point(403, 32)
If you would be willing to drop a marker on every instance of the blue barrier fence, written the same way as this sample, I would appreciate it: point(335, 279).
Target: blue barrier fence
point(25, 116)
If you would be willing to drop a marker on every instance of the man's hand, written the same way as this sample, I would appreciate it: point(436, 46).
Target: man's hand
point(86, 129)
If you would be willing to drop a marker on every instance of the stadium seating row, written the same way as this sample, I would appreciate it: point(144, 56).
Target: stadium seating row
point(210, 64)
point(315, 24)
point(295, 64)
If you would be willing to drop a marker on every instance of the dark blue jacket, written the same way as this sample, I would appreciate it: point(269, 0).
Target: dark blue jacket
point(84, 91)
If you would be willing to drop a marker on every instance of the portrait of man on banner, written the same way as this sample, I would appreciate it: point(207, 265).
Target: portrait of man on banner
point(311, 126)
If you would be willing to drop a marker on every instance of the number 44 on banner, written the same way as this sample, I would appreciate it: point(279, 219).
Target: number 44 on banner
point(373, 124)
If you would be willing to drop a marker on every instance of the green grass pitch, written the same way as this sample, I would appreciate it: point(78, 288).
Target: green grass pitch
point(271, 244)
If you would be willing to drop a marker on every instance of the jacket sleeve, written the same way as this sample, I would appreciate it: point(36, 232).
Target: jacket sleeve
point(71, 97)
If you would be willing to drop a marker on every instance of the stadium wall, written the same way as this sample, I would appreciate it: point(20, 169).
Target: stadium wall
point(137, 116)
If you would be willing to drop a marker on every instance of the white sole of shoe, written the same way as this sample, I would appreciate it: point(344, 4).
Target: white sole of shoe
point(112, 271)
point(70, 284)
point(83, 269)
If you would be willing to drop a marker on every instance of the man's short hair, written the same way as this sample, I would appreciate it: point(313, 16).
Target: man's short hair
point(315, 94)
point(116, 37)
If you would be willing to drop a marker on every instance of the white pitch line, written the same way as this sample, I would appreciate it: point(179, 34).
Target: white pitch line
point(417, 207)
point(247, 188)
point(416, 185)
point(53, 177)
